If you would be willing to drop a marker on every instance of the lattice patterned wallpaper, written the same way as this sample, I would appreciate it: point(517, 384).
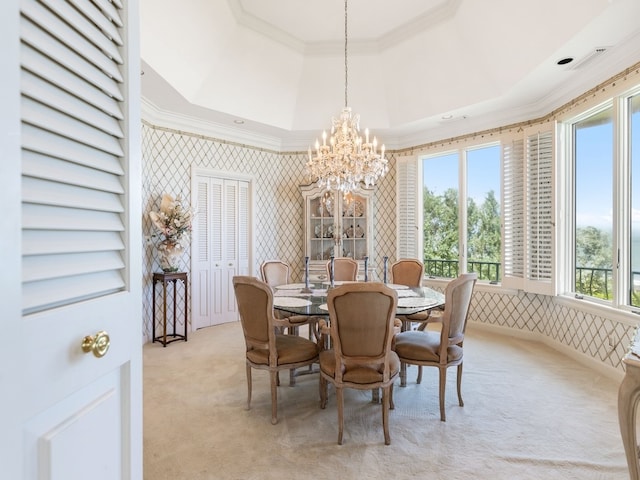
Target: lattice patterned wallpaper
point(167, 159)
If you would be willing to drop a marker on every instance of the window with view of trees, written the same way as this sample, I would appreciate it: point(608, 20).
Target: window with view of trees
point(593, 166)
point(483, 212)
point(441, 213)
point(446, 206)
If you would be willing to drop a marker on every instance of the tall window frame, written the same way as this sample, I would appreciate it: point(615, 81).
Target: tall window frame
point(624, 294)
point(489, 271)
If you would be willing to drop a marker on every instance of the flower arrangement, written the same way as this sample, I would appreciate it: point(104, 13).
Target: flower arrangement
point(173, 221)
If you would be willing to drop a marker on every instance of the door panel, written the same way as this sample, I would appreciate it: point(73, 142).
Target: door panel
point(74, 415)
point(224, 225)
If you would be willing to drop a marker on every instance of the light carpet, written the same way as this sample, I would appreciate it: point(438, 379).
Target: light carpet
point(530, 413)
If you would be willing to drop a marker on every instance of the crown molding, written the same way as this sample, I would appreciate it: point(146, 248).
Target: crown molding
point(154, 115)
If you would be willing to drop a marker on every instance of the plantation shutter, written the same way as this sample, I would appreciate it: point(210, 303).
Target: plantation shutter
point(513, 213)
point(72, 152)
point(408, 205)
point(540, 220)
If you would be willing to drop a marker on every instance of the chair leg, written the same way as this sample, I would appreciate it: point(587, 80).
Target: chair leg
point(340, 399)
point(459, 382)
point(292, 377)
point(403, 374)
point(391, 404)
point(248, 387)
point(443, 382)
point(385, 414)
point(274, 398)
point(323, 392)
point(419, 379)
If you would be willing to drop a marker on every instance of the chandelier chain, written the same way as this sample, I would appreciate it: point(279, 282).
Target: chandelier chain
point(346, 66)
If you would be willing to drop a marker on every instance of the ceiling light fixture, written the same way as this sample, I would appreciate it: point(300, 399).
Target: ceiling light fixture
point(346, 162)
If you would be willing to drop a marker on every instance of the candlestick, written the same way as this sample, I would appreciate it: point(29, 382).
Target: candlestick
point(306, 288)
point(366, 269)
point(331, 275)
point(384, 271)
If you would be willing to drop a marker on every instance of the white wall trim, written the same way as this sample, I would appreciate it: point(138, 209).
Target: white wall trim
point(156, 116)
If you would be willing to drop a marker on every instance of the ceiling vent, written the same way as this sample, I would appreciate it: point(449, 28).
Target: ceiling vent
point(590, 57)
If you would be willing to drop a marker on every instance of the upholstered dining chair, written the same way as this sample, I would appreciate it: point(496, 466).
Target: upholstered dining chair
point(345, 269)
point(265, 348)
point(441, 349)
point(409, 272)
point(361, 324)
point(277, 272)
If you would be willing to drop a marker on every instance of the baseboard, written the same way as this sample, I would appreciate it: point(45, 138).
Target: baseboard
point(605, 370)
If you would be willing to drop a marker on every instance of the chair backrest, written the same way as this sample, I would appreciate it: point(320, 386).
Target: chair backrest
point(407, 271)
point(275, 272)
point(346, 269)
point(255, 305)
point(361, 318)
point(456, 308)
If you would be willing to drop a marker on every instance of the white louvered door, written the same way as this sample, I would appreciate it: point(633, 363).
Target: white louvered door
point(71, 155)
point(221, 248)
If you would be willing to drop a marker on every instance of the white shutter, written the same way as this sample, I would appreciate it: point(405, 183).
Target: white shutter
point(409, 208)
point(72, 176)
point(513, 213)
point(540, 221)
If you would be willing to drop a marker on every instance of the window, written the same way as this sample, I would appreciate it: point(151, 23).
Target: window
point(483, 212)
point(604, 234)
point(441, 215)
point(593, 225)
point(634, 139)
point(449, 203)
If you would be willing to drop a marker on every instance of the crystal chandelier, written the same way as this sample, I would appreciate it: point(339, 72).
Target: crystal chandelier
point(344, 161)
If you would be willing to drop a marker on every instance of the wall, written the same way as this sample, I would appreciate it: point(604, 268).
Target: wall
point(167, 159)
point(596, 336)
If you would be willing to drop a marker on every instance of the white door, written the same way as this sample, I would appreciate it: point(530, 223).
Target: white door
point(221, 248)
point(71, 245)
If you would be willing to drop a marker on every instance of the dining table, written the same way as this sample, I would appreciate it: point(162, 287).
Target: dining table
point(311, 299)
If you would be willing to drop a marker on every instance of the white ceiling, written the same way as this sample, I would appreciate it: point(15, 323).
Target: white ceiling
point(418, 70)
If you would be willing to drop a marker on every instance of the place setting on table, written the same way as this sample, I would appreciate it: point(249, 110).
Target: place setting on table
point(311, 298)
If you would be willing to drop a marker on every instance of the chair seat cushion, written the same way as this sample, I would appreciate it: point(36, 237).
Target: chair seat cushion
point(423, 347)
point(362, 375)
point(291, 349)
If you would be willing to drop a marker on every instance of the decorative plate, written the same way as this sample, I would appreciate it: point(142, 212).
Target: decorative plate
point(290, 286)
point(290, 302)
point(416, 302)
point(358, 232)
point(397, 286)
point(355, 209)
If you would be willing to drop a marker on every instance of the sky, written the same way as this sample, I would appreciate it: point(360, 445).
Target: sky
point(483, 173)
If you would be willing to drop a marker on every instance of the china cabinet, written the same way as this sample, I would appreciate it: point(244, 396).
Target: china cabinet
point(337, 225)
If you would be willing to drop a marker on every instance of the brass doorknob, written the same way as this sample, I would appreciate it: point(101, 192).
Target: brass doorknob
point(98, 344)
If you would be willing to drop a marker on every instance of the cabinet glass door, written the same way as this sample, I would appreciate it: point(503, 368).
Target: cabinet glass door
point(354, 226)
point(322, 226)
